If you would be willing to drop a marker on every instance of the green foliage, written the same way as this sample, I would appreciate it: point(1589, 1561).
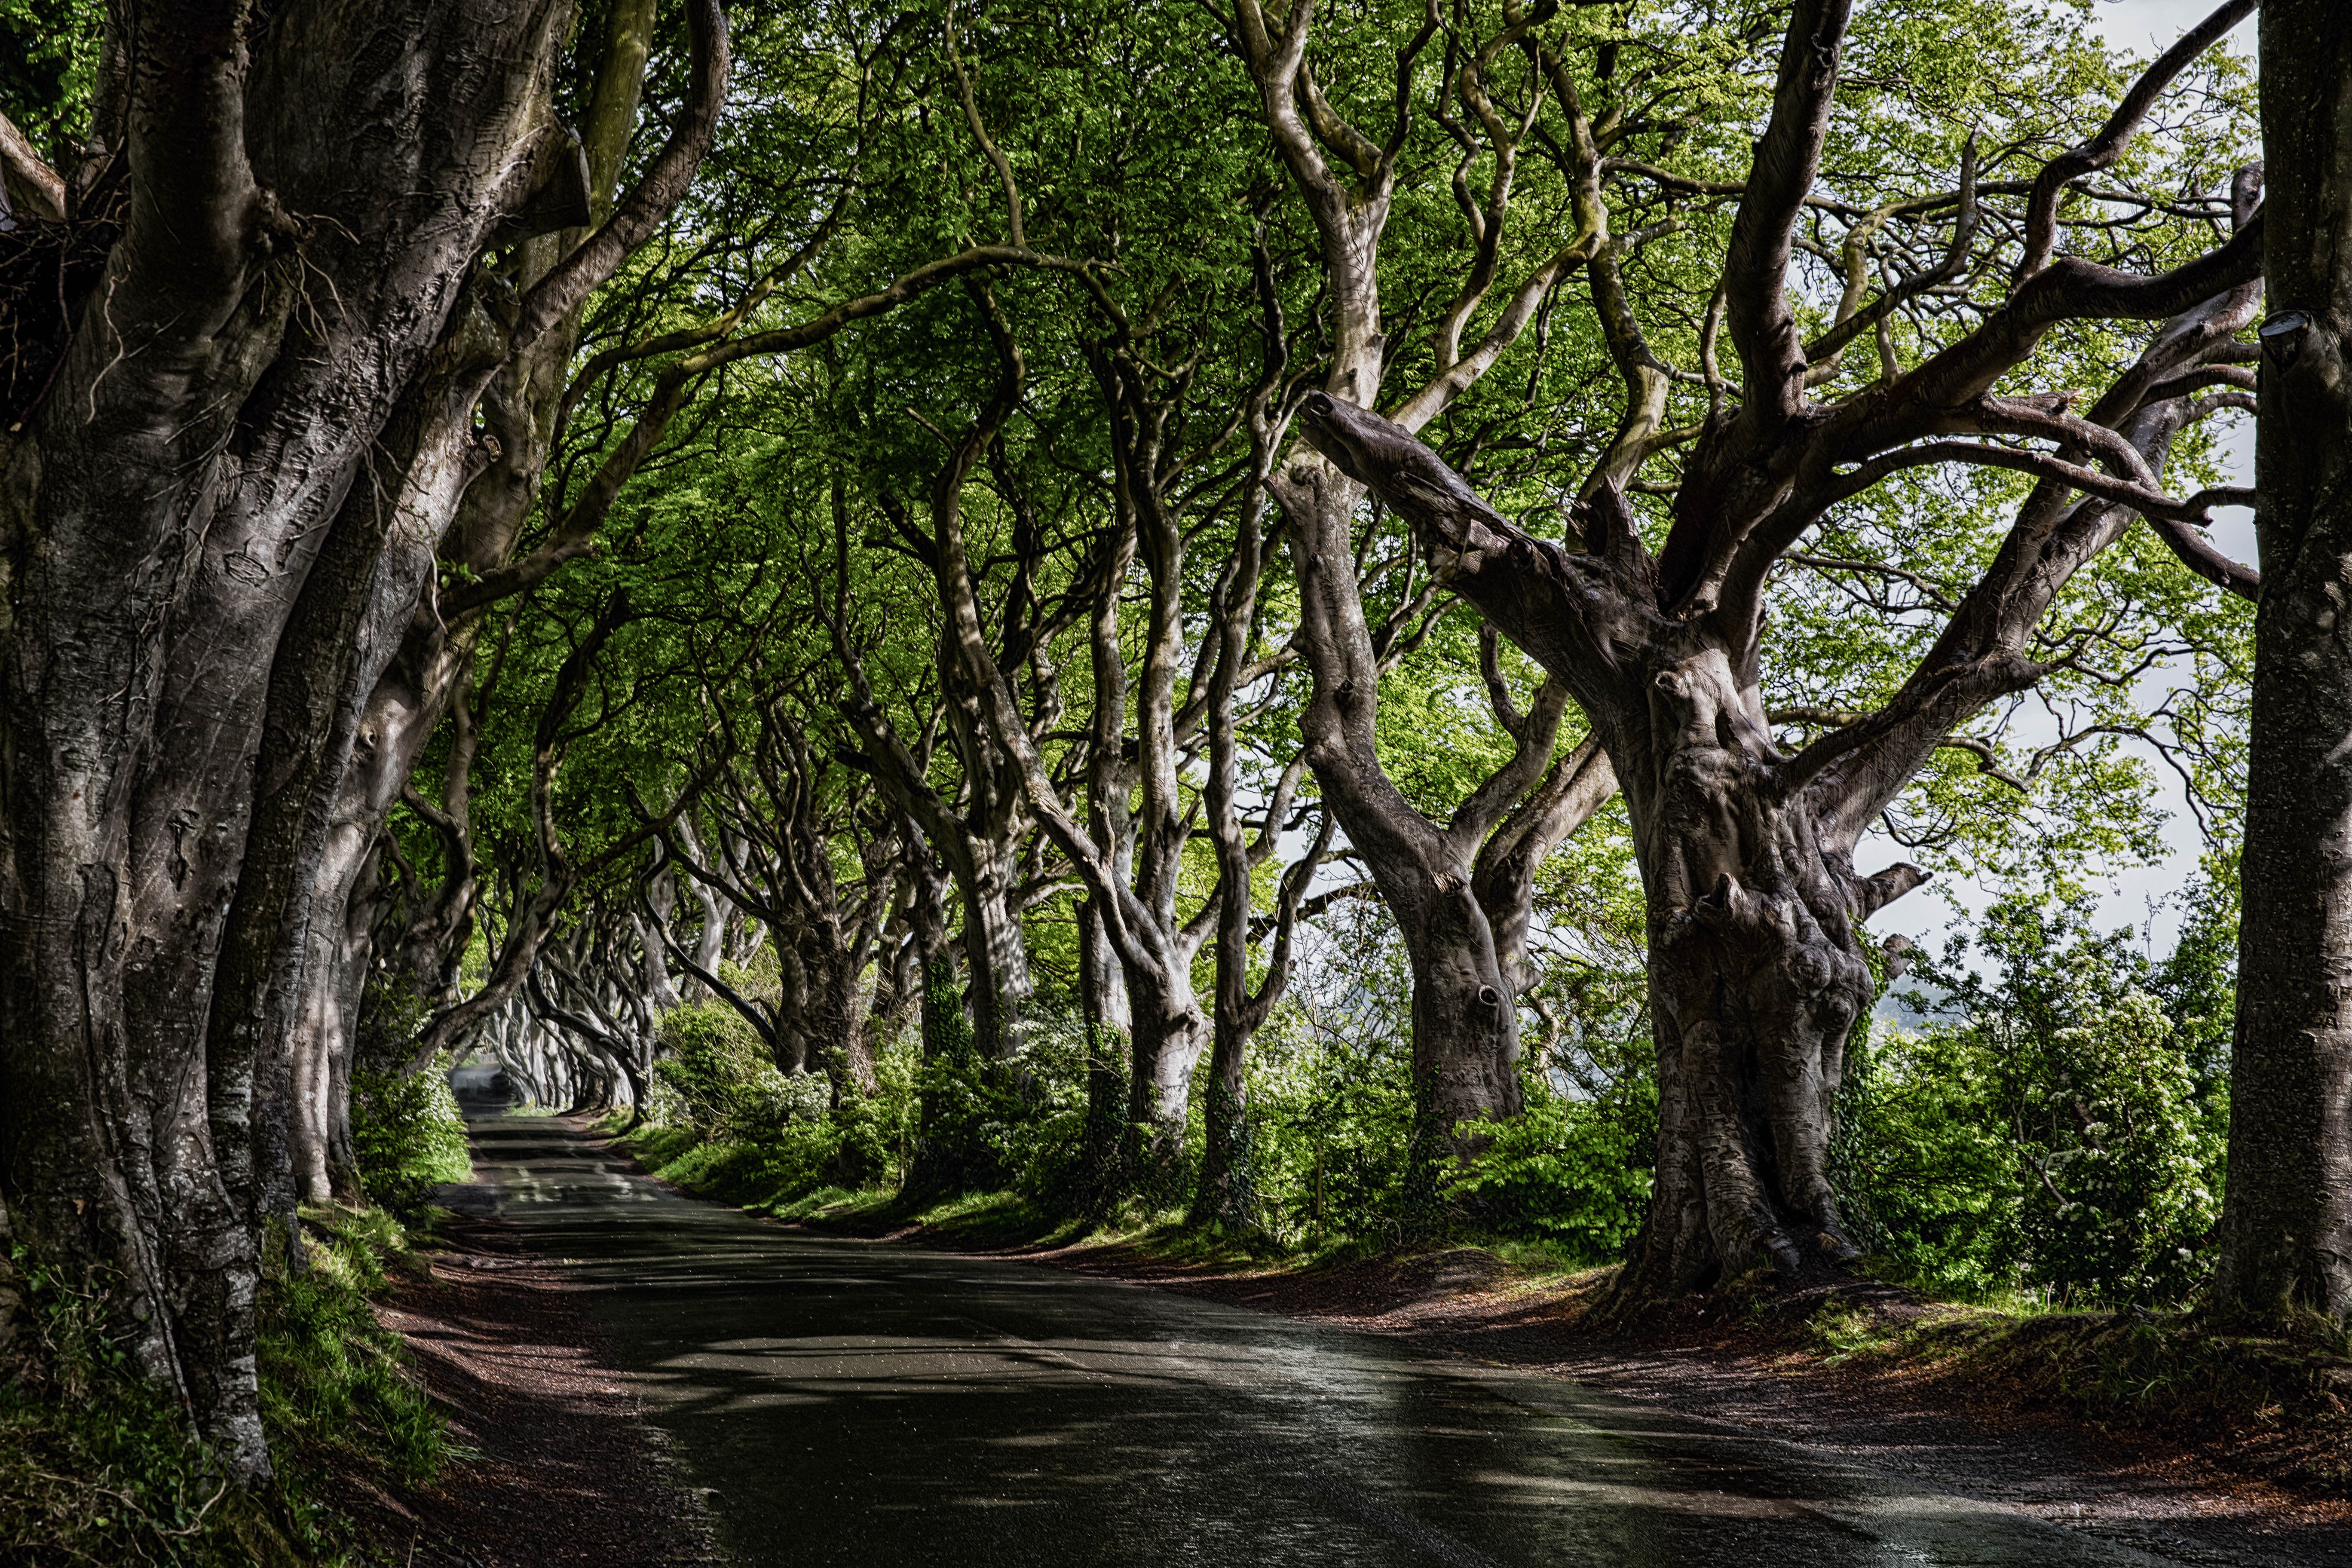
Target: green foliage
point(1330, 1088)
point(1571, 1170)
point(406, 1133)
point(48, 65)
point(2060, 1132)
point(1018, 1126)
point(333, 1379)
point(720, 1080)
point(1033, 1120)
point(725, 1122)
point(408, 1136)
point(96, 1464)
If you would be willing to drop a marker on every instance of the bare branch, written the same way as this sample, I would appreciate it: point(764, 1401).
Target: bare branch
point(2174, 521)
point(2100, 151)
point(30, 173)
point(1820, 354)
point(644, 208)
point(1987, 760)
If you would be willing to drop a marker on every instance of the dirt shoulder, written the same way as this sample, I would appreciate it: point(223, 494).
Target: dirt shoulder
point(1971, 1424)
point(563, 1468)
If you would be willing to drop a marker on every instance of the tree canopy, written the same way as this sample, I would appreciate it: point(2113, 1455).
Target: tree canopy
point(1197, 607)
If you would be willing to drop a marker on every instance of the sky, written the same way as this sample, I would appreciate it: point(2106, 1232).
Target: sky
point(2146, 28)
point(2150, 27)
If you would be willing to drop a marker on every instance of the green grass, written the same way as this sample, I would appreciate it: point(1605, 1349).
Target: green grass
point(335, 1384)
point(2280, 1397)
point(745, 1176)
point(95, 1465)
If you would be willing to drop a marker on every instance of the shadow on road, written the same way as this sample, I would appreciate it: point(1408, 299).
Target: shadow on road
point(854, 1402)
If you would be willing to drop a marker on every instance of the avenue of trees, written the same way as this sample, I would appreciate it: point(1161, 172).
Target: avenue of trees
point(1317, 615)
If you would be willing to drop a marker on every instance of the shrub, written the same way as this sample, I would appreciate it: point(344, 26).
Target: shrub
point(2060, 1129)
point(2121, 1164)
point(1333, 1136)
point(97, 1466)
point(724, 1082)
point(407, 1136)
point(1569, 1171)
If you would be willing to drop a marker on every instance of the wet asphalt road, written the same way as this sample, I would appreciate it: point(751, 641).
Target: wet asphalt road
point(853, 1403)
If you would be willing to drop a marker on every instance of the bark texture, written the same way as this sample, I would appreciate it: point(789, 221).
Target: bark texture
point(217, 509)
point(263, 321)
point(2287, 1226)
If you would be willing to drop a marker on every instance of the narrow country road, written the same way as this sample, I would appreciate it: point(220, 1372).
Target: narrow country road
point(854, 1402)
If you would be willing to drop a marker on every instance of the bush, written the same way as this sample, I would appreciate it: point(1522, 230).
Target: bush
point(2061, 1129)
point(1334, 1123)
point(721, 1081)
point(406, 1133)
point(407, 1136)
point(1569, 1171)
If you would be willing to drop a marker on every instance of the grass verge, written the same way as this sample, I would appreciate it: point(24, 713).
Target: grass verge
point(95, 1465)
point(2274, 1405)
point(748, 1177)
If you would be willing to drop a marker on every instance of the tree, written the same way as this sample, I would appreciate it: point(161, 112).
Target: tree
point(260, 423)
point(2286, 1222)
point(1465, 1019)
point(1746, 848)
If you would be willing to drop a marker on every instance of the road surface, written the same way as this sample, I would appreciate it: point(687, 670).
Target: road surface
point(853, 1402)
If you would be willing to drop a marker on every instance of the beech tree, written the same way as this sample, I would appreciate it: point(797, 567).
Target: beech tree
point(1428, 872)
point(1746, 845)
point(223, 489)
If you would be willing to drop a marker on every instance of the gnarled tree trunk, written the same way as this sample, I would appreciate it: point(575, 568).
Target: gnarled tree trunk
point(1757, 976)
point(266, 329)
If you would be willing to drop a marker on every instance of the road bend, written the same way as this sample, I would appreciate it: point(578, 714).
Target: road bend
point(849, 1402)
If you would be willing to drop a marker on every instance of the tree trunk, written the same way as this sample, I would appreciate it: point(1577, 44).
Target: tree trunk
point(995, 952)
point(2286, 1225)
point(165, 507)
point(1466, 1041)
point(660, 993)
point(1755, 909)
point(837, 1014)
point(1757, 976)
point(1103, 1004)
point(710, 944)
point(1466, 1023)
point(1168, 1035)
point(942, 1158)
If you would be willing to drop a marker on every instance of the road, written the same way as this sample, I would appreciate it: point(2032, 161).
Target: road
point(854, 1402)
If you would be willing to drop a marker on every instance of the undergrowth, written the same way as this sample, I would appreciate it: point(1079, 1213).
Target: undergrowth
point(748, 1177)
point(2282, 1399)
point(95, 1463)
point(336, 1385)
point(2284, 1395)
